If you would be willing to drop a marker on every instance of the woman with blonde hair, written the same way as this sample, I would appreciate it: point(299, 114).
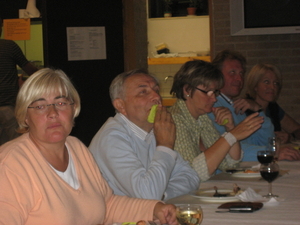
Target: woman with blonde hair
point(263, 85)
point(48, 177)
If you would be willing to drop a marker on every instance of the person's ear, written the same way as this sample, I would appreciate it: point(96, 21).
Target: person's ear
point(119, 105)
point(185, 91)
point(26, 120)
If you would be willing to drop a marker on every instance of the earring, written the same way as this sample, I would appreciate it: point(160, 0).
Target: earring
point(187, 95)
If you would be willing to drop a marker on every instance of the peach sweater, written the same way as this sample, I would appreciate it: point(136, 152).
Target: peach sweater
point(31, 193)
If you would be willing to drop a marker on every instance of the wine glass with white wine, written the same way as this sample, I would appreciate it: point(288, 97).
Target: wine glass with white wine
point(189, 214)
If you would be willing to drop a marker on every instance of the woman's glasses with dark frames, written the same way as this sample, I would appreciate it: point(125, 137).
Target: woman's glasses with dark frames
point(210, 93)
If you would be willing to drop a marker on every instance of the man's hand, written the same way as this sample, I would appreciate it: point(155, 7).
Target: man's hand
point(283, 136)
point(221, 114)
point(165, 213)
point(241, 105)
point(164, 128)
point(288, 153)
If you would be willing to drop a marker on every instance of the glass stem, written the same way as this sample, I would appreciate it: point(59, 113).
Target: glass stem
point(270, 189)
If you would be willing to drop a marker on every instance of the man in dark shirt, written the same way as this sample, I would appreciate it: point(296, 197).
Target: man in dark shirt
point(10, 56)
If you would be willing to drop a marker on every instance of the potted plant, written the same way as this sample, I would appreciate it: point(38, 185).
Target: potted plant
point(193, 7)
point(167, 8)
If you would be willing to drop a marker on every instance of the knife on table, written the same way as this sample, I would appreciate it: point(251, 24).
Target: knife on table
point(237, 209)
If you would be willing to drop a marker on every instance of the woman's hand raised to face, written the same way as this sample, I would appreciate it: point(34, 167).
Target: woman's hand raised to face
point(248, 126)
point(223, 117)
point(165, 213)
point(164, 128)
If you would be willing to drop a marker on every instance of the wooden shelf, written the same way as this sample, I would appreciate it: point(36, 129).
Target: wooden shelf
point(168, 101)
point(177, 17)
point(175, 60)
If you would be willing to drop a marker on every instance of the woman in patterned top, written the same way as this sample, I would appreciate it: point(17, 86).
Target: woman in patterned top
point(196, 86)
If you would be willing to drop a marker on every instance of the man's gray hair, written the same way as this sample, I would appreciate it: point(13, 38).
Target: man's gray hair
point(116, 89)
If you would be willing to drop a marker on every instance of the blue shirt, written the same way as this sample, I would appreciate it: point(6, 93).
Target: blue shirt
point(257, 141)
point(134, 166)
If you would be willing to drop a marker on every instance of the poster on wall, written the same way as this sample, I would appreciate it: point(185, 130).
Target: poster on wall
point(86, 43)
point(16, 29)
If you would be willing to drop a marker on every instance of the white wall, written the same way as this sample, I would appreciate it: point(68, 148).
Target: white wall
point(181, 34)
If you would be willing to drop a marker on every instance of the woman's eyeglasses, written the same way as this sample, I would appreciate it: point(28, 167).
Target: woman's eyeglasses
point(210, 93)
point(60, 106)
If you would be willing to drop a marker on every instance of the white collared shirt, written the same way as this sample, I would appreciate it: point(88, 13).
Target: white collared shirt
point(147, 137)
point(226, 98)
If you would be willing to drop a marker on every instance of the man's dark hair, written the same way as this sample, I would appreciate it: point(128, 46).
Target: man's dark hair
point(231, 55)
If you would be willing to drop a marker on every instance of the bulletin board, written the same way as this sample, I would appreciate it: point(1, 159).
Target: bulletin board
point(86, 43)
point(16, 29)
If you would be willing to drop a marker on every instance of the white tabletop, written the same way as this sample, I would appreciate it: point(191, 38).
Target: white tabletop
point(286, 186)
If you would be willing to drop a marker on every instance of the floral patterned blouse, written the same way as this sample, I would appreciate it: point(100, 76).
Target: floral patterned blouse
point(189, 132)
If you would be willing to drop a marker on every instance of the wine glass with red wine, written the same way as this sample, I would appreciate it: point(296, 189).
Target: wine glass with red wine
point(265, 157)
point(269, 172)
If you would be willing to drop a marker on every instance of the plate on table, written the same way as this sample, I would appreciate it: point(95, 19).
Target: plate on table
point(296, 142)
point(247, 174)
point(207, 195)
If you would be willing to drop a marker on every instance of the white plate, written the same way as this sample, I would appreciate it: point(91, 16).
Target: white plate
point(207, 195)
point(246, 175)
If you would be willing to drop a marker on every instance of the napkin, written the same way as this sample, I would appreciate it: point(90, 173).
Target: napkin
point(249, 195)
point(256, 166)
point(272, 202)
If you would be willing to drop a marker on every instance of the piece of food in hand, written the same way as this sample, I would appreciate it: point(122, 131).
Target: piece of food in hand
point(224, 122)
point(152, 114)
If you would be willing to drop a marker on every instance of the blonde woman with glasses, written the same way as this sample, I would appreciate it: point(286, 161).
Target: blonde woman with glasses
point(48, 177)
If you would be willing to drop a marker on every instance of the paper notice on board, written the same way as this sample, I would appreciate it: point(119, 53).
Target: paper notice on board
point(16, 29)
point(86, 43)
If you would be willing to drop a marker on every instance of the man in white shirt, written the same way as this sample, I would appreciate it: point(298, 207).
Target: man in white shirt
point(137, 157)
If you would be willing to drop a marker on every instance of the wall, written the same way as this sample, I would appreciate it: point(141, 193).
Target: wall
point(181, 34)
point(282, 50)
point(33, 48)
point(90, 77)
point(135, 34)
point(165, 74)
